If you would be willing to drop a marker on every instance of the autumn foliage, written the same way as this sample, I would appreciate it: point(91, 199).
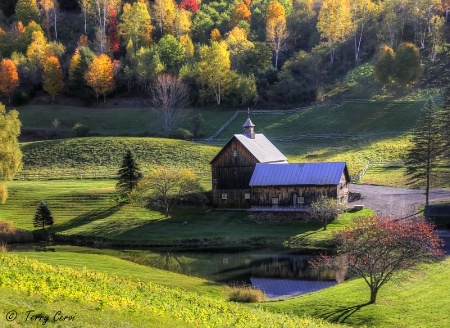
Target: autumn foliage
point(240, 12)
point(377, 249)
point(9, 79)
point(53, 77)
point(190, 5)
point(100, 75)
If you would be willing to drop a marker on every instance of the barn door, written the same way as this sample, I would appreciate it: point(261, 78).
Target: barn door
point(295, 199)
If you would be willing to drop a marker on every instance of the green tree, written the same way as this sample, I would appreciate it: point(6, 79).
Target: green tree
point(424, 155)
point(384, 65)
point(165, 188)
point(43, 216)
point(27, 11)
point(171, 53)
point(407, 67)
point(214, 70)
point(326, 209)
point(10, 154)
point(129, 174)
point(136, 26)
point(445, 125)
point(148, 66)
point(53, 77)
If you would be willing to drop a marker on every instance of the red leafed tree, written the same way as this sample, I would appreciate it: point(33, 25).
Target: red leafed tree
point(378, 249)
point(114, 40)
point(190, 5)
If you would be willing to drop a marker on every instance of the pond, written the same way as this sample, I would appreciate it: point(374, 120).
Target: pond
point(279, 274)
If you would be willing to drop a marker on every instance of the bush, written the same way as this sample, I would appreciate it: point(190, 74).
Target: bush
point(246, 293)
point(9, 234)
point(80, 130)
point(181, 133)
point(6, 227)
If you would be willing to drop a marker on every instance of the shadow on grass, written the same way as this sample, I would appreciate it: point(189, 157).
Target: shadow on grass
point(85, 218)
point(342, 313)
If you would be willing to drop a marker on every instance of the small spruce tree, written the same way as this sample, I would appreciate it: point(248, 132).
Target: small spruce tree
point(43, 216)
point(129, 174)
point(424, 155)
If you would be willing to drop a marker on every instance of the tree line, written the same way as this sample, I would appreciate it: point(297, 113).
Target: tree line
point(224, 52)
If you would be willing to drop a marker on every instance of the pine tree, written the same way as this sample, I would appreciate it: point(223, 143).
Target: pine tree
point(43, 216)
point(129, 174)
point(445, 125)
point(424, 154)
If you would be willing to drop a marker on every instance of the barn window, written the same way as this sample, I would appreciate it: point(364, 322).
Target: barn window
point(224, 195)
point(235, 153)
point(247, 196)
point(214, 181)
point(301, 200)
point(275, 201)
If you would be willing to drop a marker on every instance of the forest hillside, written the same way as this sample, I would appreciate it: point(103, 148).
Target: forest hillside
point(223, 53)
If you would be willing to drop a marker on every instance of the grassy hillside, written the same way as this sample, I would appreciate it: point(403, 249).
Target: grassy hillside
point(420, 300)
point(77, 258)
point(87, 208)
point(116, 120)
point(103, 156)
point(88, 295)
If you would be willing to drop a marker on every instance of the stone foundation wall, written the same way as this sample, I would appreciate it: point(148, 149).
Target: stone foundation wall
point(278, 216)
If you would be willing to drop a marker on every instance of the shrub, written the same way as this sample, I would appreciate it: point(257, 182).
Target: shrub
point(80, 130)
point(6, 227)
point(181, 133)
point(246, 293)
point(3, 248)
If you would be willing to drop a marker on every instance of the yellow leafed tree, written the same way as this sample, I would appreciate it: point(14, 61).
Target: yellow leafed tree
point(53, 77)
point(9, 79)
point(100, 75)
point(276, 31)
point(10, 154)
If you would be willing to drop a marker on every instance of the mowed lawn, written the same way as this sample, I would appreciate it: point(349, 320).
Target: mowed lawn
point(87, 208)
point(419, 300)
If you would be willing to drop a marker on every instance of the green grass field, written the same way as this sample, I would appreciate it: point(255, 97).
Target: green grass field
point(115, 121)
point(87, 208)
point(91, 298)
point(379, 133)
point(421, 300)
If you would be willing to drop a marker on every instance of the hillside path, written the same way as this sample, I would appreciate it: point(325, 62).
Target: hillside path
point(395, 202)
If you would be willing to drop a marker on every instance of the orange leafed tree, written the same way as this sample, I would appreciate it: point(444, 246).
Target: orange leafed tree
point(53, 77)
point(240, 12)
point(9, 79)
point(215, 36)
point(100, 75)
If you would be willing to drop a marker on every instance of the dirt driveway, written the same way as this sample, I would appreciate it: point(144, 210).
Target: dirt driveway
point(395, 202)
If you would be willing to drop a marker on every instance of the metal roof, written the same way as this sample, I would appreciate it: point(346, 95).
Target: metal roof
point(299, 174)
point(261, 148)
point(248, 123)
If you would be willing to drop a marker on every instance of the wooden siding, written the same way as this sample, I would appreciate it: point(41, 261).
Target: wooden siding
point(235, 198)
point(262, 196)
point(231, 173)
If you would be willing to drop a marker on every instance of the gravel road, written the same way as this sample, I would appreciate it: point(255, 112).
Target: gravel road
point(395, 202)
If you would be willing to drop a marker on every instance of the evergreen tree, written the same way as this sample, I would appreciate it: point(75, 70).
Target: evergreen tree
point(445, 125)
point(424, 154)
point(43, 216)
point(129, 173)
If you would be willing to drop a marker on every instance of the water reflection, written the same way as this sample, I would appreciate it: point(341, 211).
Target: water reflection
point(277, 275)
